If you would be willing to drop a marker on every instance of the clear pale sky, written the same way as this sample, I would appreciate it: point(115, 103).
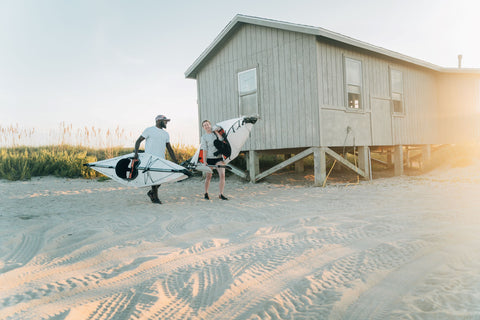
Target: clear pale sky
point(107, 63)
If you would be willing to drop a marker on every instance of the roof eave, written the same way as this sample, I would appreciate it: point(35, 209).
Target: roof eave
point(233, 25)
point(320, 32)
point(461, 70)
point(191, 72)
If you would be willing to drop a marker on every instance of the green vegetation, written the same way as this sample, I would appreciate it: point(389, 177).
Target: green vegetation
point(22, 163)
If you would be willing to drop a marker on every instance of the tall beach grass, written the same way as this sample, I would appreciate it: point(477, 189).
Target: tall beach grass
point(65, 134)
point(22, 163)
point(22, 155)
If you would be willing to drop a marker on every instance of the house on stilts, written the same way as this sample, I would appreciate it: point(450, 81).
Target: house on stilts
point(318, 91)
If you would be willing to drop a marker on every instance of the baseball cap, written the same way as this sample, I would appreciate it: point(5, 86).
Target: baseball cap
point(161, 117)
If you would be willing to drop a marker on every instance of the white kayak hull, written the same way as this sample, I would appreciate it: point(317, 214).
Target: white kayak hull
point(149, 171)
point(237, 131)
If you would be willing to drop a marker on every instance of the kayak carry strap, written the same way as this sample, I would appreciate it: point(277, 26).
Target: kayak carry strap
point(127, 168)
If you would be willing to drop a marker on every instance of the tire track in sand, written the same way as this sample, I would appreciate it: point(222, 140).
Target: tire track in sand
point(376, 303)
point(24, 252)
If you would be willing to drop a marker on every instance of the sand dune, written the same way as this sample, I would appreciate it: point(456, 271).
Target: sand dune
point(396, 248)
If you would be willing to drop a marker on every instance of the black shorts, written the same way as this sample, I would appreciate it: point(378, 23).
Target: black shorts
point(213, 161)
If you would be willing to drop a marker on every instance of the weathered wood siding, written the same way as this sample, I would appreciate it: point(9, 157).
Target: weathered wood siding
point(373, 124)
point(339, 126)
point(287, 86)
point(419, 125)
point(301, 94)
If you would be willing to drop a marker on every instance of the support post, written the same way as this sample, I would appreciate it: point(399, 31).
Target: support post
point(287, 156)
point(253, 165)
point(398, 160)
point(299, 166)
point(344, 162)
point(242, 174)
point(284, 164)
point(389, 158)
point(320, 165)
point(364, 161)
point(407, 157)
point(426, 154)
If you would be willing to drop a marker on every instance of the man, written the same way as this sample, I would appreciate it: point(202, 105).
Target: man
point(156, 140)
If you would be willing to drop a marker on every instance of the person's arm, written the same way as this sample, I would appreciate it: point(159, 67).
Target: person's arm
point(202, 157)
point(171, 153)
point(219, 136)
point(137, 145)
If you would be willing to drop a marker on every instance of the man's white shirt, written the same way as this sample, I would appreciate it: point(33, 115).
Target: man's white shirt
point(156, 140)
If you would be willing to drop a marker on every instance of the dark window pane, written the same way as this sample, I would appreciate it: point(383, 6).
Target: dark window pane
point(354, 100)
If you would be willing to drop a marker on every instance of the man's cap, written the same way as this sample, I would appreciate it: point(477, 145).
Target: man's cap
point(161, 117)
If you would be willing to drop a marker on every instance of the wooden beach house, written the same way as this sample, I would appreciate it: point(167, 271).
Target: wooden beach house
point(318, 91)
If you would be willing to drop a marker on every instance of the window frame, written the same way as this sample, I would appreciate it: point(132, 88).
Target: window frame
point(394, 92)
point(243, 94)
point(350, 87)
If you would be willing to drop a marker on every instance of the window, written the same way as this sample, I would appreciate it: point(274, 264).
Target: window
point(247, 92)
point(396, 85)
point(353, 75)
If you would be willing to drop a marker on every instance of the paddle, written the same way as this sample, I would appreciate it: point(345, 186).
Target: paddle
point(144, 169)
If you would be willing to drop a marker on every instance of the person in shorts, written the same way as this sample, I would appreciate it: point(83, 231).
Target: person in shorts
point(156, 141)
point(212, 157)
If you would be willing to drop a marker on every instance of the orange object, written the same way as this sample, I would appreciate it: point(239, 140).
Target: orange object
point(132, 168)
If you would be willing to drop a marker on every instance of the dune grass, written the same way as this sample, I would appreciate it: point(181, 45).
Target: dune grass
point(23, 163)
point(67, 151)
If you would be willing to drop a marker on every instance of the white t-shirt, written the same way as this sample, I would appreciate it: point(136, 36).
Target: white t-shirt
point(208, 146)
point(156, 140)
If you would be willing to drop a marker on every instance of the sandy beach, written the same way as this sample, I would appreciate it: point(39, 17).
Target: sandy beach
point(393, 248)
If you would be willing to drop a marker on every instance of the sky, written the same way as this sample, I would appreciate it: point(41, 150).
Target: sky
point(119, 63)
